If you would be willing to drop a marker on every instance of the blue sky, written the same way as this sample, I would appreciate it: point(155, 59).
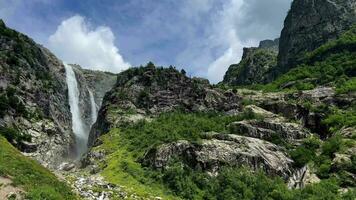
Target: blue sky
point(202, 36)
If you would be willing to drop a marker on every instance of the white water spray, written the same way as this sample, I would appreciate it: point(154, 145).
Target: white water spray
point(77, 121)
point(94, 110)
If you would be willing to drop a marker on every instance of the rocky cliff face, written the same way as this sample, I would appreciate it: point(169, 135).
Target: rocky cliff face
point(255, 64)
point(148, 91)
point(309, 24)
point(95, 83)
point(34, 102)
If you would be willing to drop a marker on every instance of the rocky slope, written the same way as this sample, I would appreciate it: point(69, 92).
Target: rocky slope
point(309, 24)
point(148, 91)
point(255, 64)
point(34, 103)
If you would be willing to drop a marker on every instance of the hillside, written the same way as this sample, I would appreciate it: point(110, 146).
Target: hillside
point(21, 177)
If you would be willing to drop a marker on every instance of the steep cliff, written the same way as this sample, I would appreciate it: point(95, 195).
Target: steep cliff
point(309, 24)
point(34, 103)
point(92, 86)
point(255, 65)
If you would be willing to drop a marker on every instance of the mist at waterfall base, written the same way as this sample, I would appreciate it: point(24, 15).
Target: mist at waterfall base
point(79, 128)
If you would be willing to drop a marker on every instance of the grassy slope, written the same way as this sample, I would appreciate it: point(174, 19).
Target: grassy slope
point(38, 182)
point(127, 144)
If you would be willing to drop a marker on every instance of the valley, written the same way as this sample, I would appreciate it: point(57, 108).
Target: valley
point(280, 125)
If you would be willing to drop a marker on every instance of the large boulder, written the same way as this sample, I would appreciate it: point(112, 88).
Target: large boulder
point(269, 126)
point(222, 150)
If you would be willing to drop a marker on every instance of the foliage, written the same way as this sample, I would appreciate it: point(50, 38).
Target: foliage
point(169, 127)
point(9, 100)
point(340, 118)
point(38, 182)
point(13, 135)
point(333, 62)
point(127, 144)
point(346, 86)
point(241, 183)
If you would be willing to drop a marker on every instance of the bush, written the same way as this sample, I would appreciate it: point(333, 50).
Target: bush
point(346, 86)
point(13, 135)
point(302, 156)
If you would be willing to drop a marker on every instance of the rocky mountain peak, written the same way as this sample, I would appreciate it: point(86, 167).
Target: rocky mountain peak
point(255, 64)
point(311, 23)
point(269, 44)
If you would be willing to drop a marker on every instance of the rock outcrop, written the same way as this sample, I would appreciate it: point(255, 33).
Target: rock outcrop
point(223, 150)
point(309, 24)
point(148, 91)
point(255, 65)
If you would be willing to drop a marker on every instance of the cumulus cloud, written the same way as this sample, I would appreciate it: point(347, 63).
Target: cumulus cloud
point(238, 24)
point(75, 41)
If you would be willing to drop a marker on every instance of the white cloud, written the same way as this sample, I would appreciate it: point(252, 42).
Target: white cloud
point(235, 25)
point(225, 35)
point(76, 42)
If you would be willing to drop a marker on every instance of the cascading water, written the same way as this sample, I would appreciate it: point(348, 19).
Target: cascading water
point(77, 121)
point(94, 110)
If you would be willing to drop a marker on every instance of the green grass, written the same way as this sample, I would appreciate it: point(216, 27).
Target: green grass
point(127, 144)
point(123, 169)
point(38, 182)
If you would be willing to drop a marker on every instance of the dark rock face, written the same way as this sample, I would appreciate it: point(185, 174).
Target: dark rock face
point(148, 91)
point(255, 65)
point(311, 23)
point(36, 79)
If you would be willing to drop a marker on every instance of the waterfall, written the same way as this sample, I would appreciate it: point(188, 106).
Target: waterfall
point(94, 112)
point(77, 121)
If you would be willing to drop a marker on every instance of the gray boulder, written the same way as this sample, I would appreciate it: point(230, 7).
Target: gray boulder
point(222, 150)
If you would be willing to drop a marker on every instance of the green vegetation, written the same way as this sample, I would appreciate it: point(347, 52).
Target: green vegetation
point(333, 63)
point(38, 182)
point(126, 146)
point(128, 143)
point(13, 135)
point(169, 127)
point(339, 118)
point(346, 86)
point(10, 100)
point(305, 152)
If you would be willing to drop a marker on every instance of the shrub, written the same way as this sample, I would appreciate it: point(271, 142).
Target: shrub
point(13, 135)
